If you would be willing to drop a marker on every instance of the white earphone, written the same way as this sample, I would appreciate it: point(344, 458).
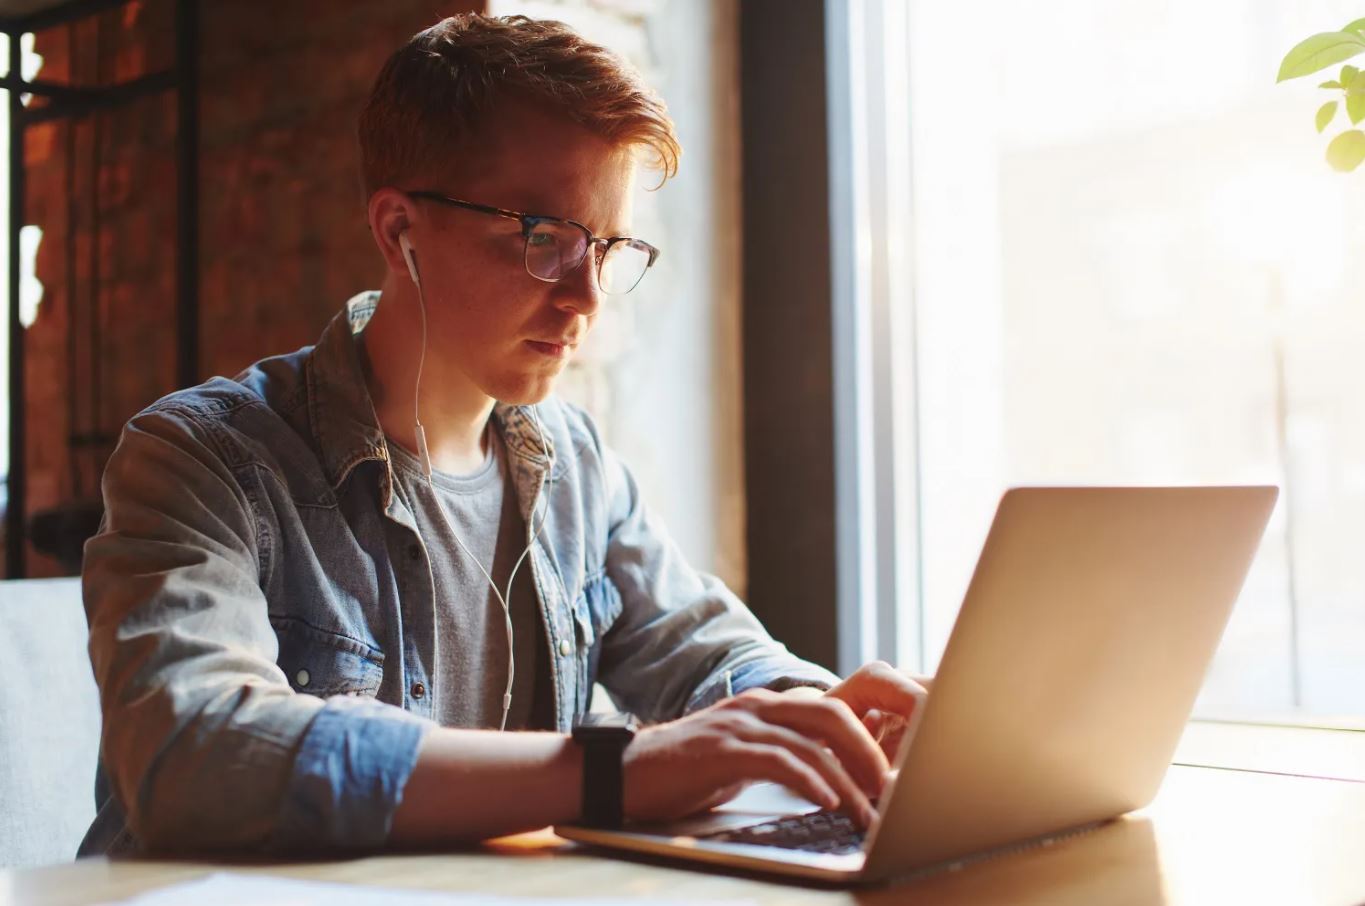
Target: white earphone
point(410, 256)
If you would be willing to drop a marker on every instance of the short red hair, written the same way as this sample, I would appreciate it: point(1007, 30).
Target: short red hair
point(433, 92)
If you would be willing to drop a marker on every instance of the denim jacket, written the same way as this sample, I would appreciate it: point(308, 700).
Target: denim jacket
point(262, 617)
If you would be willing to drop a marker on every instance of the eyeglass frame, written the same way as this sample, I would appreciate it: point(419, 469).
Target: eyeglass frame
point(530, 221)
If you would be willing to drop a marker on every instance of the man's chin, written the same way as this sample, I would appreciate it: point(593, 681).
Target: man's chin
point(526, 394)
point(530, 400)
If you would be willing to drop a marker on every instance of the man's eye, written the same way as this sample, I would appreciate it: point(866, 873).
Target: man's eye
point(540, 240)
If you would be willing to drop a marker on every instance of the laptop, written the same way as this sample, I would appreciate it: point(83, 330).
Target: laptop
point(1077, 655)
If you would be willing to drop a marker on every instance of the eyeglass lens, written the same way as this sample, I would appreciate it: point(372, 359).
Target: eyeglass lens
point(555, 248)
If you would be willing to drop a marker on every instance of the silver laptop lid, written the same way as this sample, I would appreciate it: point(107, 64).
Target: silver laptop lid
point(1073, 665)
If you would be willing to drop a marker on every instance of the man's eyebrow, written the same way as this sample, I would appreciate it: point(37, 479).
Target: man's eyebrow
point(600, 233)
point(531, 204)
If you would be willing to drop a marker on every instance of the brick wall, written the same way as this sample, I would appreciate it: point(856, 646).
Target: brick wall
point(282, 224)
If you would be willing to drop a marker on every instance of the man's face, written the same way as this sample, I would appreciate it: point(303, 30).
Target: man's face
point(507, 332)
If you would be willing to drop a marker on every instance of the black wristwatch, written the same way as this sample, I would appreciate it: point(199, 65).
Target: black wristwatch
point(603, 738)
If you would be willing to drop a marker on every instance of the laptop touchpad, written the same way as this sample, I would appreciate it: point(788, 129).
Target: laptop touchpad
point(757, 803)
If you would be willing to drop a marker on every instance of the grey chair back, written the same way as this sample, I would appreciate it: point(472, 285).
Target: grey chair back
point(49, 722)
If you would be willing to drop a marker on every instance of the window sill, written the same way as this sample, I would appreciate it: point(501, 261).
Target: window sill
point(1337, 754)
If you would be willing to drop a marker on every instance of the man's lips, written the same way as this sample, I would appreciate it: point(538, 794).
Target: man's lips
point(557, 348)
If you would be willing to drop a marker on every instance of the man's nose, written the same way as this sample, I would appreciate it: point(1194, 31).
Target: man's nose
point(578, 291)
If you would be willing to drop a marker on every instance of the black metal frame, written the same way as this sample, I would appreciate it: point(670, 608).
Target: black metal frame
point(65, 101)
point(530, 221)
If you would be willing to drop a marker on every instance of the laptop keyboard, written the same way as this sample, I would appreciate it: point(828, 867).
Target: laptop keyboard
point(821, 832)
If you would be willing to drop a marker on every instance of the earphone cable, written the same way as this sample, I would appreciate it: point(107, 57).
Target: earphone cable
point(426, 468)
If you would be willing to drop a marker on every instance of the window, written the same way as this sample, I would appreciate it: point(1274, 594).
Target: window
point(1116, 252)
point(30, 291)
point(4, 281)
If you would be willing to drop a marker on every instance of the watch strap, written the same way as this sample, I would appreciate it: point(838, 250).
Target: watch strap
point(603, 783)
point(603, 739)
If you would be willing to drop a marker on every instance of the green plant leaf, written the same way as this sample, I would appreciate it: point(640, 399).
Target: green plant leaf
point(1356, 26)
point(1357, 83)
point(1355, 107)
point(1348, 73)
point(1346, 151)
point(1318, 52)
point(1331, 84)
point(1325, 114)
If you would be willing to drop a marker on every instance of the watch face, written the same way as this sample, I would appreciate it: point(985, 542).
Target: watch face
point(606, 726)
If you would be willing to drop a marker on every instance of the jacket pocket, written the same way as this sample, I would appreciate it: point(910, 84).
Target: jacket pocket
point(598, 605)
point(321, 663)
point(595, 610)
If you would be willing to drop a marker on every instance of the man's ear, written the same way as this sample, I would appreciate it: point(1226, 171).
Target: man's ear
point(391, 213)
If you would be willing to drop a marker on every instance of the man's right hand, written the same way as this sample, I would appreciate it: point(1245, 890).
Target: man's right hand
point(816, 747)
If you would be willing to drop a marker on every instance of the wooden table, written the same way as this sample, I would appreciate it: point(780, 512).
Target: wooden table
point(1212, 836)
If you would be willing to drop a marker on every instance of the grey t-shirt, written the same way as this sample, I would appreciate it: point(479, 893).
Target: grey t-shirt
point(471, 633)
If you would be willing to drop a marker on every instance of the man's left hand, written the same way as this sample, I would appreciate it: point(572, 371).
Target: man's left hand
point(884, 699)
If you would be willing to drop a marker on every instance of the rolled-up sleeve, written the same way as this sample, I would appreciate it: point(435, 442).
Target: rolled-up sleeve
point(683, 639)
point(205, 744)
point(347, 777)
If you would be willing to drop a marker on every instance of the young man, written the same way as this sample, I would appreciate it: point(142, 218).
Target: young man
point(324, 585)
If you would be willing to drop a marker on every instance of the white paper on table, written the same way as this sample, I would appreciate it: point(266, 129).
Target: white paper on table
point(235, 889)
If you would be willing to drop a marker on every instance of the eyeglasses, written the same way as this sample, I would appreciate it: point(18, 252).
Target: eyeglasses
point(555, 247)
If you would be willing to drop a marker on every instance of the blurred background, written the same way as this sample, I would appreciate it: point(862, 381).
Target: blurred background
point(917, 252)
